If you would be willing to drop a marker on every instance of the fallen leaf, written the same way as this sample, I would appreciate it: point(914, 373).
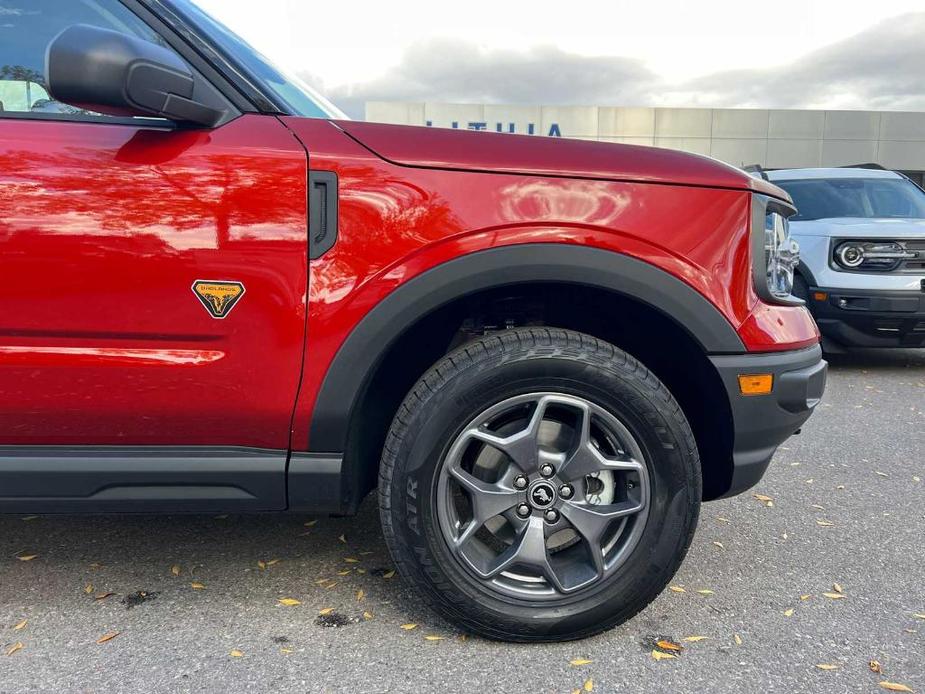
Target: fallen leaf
point(175, 570)
point(433, 637)
point(360, 595)
point(32, 518)
point(895, 687)
point(310, 523)
point(351, 560)
point(388, 574)
point(837, 588)
point(21, 625)
point(706, 591)
point(289, 602)
point(262, 565)
point(835, 596)
point(236, 654)
point(677, 589)
point(723, 520)
point(918, 616)
point(589, 685)
point(409, 627)
point(666, 645)
point(367, 615)
point(88, 588)
point(818, 507)
point(807, 596)
point(326, 610)
point(15, 648)
point(719, 544)
point(788, 613)
point(273, 562)
point(658, 655)
point(825, 523)
point(738, 639)
point(361, 571)
point(330, 585)
point(578, 662)
point(107, 637)
point(882, 474)
point(826, 666)
point(345, 572)
point(343, 538)
point(285, 651)
point(694, 639)
point(875, 666)
point(197, 586)
point(27, 557)
point(99, 597)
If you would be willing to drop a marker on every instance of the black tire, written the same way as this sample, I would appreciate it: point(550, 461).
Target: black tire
point(490, 370)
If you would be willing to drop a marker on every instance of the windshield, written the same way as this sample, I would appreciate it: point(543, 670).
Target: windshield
point(290, 91)
point(825, 198)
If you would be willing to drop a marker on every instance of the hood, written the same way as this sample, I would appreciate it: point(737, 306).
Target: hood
point(861, 227)
point(467, 150)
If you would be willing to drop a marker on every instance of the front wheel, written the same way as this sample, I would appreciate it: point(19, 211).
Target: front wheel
point(539, 484)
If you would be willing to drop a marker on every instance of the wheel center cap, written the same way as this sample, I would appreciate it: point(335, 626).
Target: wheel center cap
point(542, 494)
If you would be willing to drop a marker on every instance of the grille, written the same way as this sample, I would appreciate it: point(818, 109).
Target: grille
point(914, 265)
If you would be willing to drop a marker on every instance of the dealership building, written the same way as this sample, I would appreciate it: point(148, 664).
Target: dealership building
point(774, 139)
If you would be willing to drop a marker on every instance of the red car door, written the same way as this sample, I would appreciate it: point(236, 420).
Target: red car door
point(153, 289)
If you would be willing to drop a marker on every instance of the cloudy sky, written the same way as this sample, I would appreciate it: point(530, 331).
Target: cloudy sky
point(789, 53)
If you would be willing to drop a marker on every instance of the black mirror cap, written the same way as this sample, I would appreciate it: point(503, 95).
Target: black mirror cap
point(117, 74)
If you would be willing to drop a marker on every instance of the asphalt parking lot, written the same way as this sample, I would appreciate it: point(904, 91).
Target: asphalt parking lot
point(193, 603)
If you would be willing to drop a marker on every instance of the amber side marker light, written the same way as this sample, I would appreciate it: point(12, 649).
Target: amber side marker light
point(756, 384)
point(820, 296)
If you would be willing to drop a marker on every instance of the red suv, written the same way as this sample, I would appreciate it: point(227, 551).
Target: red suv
point(219, 295)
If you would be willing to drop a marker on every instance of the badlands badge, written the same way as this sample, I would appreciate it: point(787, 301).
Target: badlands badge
point(218, 296)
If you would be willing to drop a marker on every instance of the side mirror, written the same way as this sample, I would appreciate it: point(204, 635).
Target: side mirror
point(120, 75)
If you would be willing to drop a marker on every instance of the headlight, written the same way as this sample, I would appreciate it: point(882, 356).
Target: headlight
point(870, 255)
point(775, 255)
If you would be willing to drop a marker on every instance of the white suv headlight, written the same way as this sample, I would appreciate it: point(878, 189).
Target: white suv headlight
point(775, 255)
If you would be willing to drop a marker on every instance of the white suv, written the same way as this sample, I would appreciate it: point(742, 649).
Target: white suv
point(862, 254)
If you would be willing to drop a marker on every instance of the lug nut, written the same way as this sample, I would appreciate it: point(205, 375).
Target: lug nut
point(551, 516)
point(566, 491)
point(520, 482)
point(547, 470)
point(630, 485)
point(523, 510)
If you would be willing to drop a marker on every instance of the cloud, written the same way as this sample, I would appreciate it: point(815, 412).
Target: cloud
point(880, 68)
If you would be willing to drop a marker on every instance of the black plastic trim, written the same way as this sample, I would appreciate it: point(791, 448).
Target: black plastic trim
point(867, 311)
point(322, 212)
point(357, 358)
point(143, 479)
point(763, 422)
point(314, 482)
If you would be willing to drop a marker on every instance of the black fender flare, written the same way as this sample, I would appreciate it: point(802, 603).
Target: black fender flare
point(358, 356)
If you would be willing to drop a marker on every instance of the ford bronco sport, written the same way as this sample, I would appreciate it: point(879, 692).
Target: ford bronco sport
point(219, 295)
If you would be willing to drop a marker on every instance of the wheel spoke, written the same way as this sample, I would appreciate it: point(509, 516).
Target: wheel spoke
point(586, 459)
point(522, 447)
point(488, 500)
point(591, 522)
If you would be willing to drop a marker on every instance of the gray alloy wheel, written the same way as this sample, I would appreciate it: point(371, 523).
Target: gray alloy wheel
point(543, 495)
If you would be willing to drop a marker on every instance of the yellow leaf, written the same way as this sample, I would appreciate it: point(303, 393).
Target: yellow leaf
point(262, 565)
point(16, 647)
point(738, 639)
point(875, 666)
point(895, 687)
point(589, 685)
point(236, 654)
point(388, 574)
point(762, 498)
point(27, 557)
point(360, 595)
point(107, 637)
point(197, 586)
point(175, 570)
point(289, 602)
point(361, 571)
point(825, 523)
point(433, 637)
point(285, 651)
point(409, 627)
point(21, 625)
point(345, 572)
point(367, 615)
point(676, 589)
point(578, 662)
point(330, 585)
point(694, 639)
point(99, 597)
point(807, 596)
point(326, 610)
point(666, 645)
point(88, 589)
point(788, 613)
point(273, 562)
point(351, 560)
point(723, 520)
point(837, 588)
point(310, 523)
point(658, 655)
point(918, 616)
point(719, 544)
point(826, 666)
point(835, 596)
point(706, 591)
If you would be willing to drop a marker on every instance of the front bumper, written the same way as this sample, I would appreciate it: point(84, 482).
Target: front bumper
point(870, 318)
point(763, 422)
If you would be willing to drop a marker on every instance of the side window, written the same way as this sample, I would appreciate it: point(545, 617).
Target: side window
point(26, 29)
